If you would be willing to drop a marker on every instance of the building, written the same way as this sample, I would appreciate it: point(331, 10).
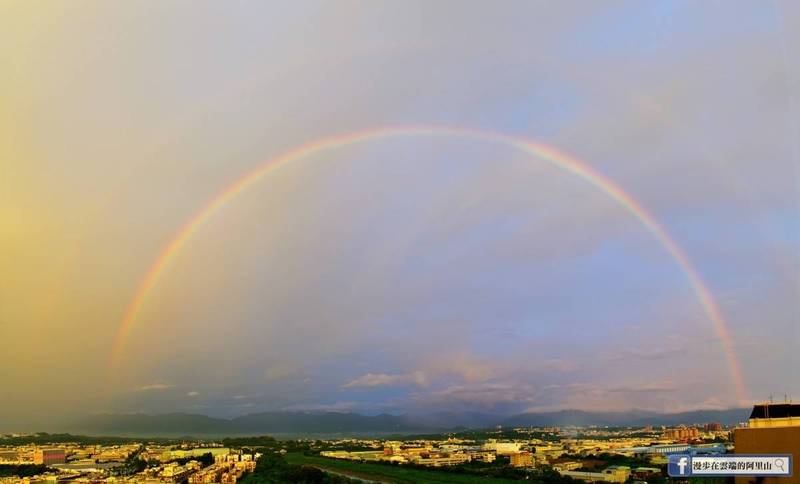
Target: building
point(522, 459)
point(645, 472)
point(182, 454)
point(49, 456)
point(9, 456)
point(567, 466)
point(699, 449)
point(438, 460)
point(175, 473)
point(771, 429)
point(612, 474)
point(682, 433)
point(503, 448)
point(487, 457)
point(365, 455)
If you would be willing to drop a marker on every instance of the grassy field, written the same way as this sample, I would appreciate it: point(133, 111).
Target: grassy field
point(386, 473)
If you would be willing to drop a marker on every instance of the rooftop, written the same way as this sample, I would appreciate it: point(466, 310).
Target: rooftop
point(775, 410)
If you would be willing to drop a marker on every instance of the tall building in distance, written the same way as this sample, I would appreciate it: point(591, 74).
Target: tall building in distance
point(773, 428)
point(682, 433)
point(49, 456)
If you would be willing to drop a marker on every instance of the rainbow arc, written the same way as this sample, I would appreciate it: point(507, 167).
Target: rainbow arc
point(537, 151)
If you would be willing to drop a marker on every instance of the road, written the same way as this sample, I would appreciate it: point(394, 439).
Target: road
point(351, 476)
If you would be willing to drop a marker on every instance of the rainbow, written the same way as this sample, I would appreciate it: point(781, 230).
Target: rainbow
point(535, 149)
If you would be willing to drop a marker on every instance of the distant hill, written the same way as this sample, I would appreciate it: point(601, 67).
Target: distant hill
point(155, 425)
point(329, 422)
point(310, 423)
point(633, 418)
point(178, 424)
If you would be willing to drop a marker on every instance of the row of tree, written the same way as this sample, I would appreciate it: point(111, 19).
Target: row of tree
point(22, 470)
point(272, 468)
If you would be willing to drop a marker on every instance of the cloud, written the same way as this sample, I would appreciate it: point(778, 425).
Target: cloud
point(340, 406)
point(370, 380)
point(649, 387)
point(647, 354)
point(558, 365)
point(711, 403)
point(492, 394)
point(463, 365)
point(657, 395)
point(155, 387)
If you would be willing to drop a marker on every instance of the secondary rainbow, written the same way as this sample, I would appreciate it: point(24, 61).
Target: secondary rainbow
point(537, 150)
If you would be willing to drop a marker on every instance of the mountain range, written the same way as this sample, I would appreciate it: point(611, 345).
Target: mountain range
point(318, 423)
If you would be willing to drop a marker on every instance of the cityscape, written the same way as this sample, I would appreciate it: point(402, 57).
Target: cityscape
point(400, 241)
point(545, 454)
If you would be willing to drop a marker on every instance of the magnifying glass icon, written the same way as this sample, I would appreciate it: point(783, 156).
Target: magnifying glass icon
point(779, 465)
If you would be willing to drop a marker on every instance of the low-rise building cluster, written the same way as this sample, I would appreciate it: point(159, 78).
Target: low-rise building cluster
point(574, 452)
point(565, 451)
point(75, 462)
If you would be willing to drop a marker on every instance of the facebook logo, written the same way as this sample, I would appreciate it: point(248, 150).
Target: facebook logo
point(679, 465)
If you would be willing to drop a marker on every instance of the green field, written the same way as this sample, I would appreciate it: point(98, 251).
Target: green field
point(387, 473)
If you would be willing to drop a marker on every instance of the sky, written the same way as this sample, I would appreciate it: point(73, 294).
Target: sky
point(409, 274)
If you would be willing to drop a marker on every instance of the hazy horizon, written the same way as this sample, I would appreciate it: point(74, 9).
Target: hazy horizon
point(421, 272)
point(321, 422)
